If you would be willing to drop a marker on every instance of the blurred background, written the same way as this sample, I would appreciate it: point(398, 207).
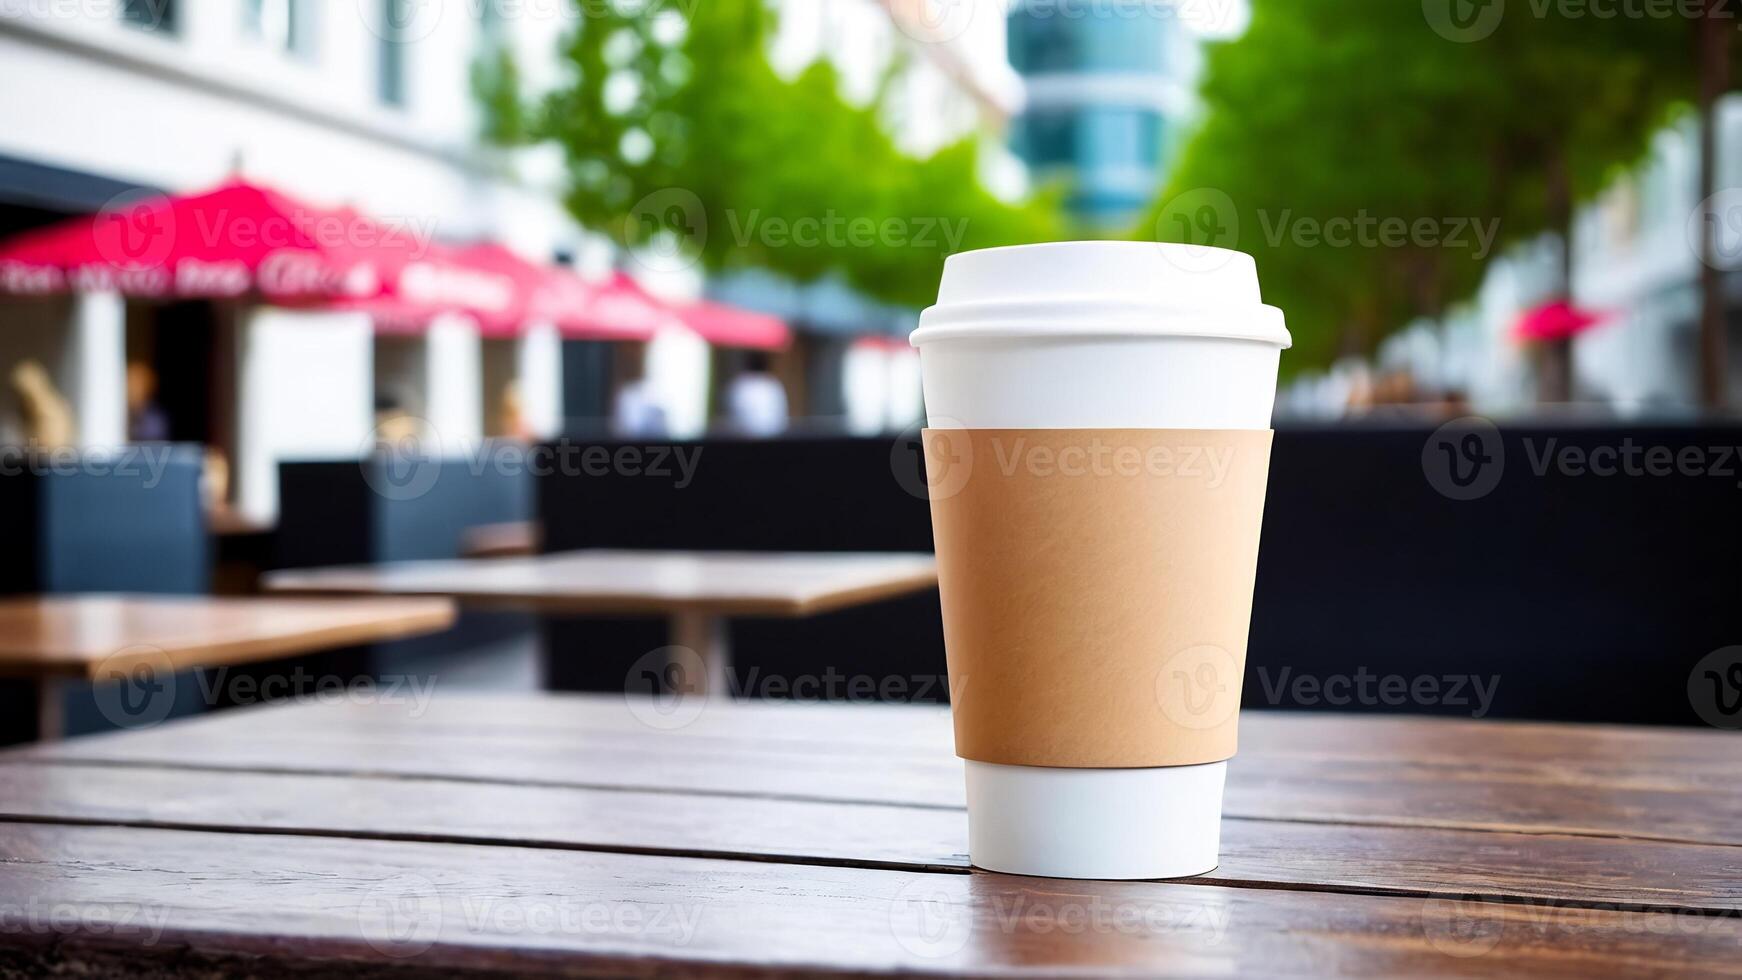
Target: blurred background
point(277, 235)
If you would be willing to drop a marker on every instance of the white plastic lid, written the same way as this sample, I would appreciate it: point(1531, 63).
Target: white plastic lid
point(1101, 288)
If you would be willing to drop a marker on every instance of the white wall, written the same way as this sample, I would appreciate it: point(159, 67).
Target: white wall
point(455, 375)
point(539, 365)
point(93, 371)
point(865, 387)
point(678, 366)
point(305, 391)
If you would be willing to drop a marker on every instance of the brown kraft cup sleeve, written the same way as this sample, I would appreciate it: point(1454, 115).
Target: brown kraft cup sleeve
point(1097, 590)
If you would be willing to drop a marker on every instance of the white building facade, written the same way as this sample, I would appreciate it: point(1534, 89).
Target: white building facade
point(361, 103)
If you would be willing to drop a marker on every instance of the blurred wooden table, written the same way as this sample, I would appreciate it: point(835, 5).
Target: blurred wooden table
point(122, 637)
point(697, 590)
point(599, 835)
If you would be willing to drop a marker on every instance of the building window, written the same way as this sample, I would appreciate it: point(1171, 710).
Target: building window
point(395, 17)
point(285, 25)
point(151, 15)
point(1087, 36)
point(491, 29)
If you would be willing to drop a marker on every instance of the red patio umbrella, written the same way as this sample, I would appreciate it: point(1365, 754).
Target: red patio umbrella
point(1555, 321)
point(617, 306)
point(235, 240)
point(732, 326)
point(486, 281)
point(597, 310)
point(621, 303)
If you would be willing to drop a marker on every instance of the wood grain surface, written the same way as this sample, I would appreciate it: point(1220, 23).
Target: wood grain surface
point(590, 835)
point(93, 636)
point(637, 582)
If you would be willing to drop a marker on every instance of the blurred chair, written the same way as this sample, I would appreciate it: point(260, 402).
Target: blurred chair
point(128, 520)
point(387, 508)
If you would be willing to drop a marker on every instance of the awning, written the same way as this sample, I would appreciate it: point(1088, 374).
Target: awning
point(609, 310)
point(486, 281)
point(236, 240)
point(619, 304)
point(1555, 321)
point(731, 326)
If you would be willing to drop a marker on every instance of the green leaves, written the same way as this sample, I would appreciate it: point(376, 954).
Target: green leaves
point(1322, 114)
point(784, 174)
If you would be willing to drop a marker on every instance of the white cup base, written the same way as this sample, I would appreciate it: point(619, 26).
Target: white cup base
point(1095, 823)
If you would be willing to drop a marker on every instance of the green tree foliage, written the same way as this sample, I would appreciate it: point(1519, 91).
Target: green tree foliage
point(675, 124)
point(496, 87)
point(1323, 113)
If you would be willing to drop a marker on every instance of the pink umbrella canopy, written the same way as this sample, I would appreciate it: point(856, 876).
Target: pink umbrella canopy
point(242, 239)
point(622, 304)
point(486, 282)
point(236, 240)
point(732, 326)
point(615, 309)
point(1556, 321)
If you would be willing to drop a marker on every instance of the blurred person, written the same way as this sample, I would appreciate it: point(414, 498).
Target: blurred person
point(756, 400)
point(215, 480)
point(1395, 387)
point(146, 420)
point(513, 413)
point(394, 423)
point(636, 412)
point(48, 420)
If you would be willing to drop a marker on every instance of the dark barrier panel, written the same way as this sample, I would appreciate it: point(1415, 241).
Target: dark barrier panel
point(1564, 573)
point(127, 520)
point(385, 509)
point(1573, 573)
point(394, 508)
point(743, 495)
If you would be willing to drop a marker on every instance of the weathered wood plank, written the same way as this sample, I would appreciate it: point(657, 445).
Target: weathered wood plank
point(134, 900)
point(1392, 860)
point(1592, 780)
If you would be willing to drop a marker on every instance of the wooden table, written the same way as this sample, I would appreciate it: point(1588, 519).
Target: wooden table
point(506, 539)
point(148, 638)
point(567, 835)
point(697, 590)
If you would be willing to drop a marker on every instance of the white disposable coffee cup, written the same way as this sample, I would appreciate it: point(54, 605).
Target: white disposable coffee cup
point(1090, 335)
